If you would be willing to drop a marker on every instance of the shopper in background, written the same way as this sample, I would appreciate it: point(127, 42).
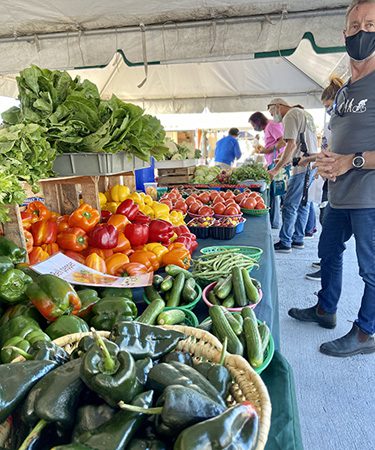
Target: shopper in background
point(327, 98)
point(227, 149)
point(350, 169)
point(298, 129)
point(273, 146)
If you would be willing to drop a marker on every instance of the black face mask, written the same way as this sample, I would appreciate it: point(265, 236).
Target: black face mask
point(361, 45)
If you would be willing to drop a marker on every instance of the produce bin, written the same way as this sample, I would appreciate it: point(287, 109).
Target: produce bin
point(172, 164)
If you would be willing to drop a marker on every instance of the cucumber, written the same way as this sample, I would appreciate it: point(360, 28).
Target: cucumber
point(174, 270)
point(253, 343)
point(224, 330)
point(157, 280)
point(189, 294)
point(265, 335)
point(167, 283)
point(229, 301)
point(211, 297)
point(238, 287)
point(238, 317)
point(175, 295)
point(206, 326)
point(252, 292)
point(171, 317)
point(152, 294)
point(250, 314)
point(233, 322)
point(225, 288)
point(152, 311)
point(219, 282)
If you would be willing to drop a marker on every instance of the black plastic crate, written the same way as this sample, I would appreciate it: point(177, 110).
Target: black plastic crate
point(200, 232)
point(222, 233)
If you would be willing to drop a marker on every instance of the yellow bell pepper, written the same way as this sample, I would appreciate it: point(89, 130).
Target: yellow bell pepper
point(102, 199)
point(160, 209)
point(135, 196)
point(108, 196)
point(111, 207)
point(177, 218)
point(147, 210)
point(120, 193)
point(157, 249)
point(148, 200)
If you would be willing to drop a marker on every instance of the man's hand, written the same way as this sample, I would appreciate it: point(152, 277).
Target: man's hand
point(273, 173)
point(331, 165)
point(303, 162)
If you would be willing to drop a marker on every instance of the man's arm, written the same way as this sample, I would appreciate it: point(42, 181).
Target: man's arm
point(285, 157)
point(331, 165)
point(237, 150)
point(266, 150)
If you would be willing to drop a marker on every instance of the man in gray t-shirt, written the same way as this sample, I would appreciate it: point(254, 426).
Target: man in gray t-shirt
point(296, 122)
point(350, 169)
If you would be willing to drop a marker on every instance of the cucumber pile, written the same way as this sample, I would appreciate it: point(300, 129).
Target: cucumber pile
point(245, 335)
point(178, 288)
point(236, 290)
point(155, 314)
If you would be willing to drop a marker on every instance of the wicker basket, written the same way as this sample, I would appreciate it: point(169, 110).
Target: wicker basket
point(204, 346)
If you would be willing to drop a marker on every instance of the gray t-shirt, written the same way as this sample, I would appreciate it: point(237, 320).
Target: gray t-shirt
point(297, 121)
point(354, 132)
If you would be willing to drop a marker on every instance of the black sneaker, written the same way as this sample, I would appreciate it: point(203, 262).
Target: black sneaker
point(315, 276)
point(315, 265)
point(309, 235)
point(353, 343)
point(313, 314)
point(281, 248)
point(298, 245)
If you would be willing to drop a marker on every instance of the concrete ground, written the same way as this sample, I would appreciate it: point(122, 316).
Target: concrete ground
point(336, 396)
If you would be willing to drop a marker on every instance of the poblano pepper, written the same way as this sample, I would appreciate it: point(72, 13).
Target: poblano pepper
point(236, 428)
point(90, 417)
point(13, 285)
point(143, 340)
point(89, 298)
point(9, 248)
point(48, 351)
point(110, 372)
point(146, 444)
point(110, 310)
point(66, 325)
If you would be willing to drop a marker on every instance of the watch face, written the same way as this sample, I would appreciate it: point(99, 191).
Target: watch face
point(358, 162)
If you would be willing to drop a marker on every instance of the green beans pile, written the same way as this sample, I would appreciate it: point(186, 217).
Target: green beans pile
point(212, 266)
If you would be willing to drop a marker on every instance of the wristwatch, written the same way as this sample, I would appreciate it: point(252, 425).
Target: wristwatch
point(358, 161)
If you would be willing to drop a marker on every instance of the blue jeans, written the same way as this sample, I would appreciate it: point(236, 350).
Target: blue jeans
point(338, 226)
point(294, 215)
point(274, 210)
point(311, 221)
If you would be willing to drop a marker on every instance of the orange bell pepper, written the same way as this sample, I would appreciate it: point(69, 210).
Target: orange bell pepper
point(51, 249)
point(119, 221)
point(146, 258)
point(158, 249)
point(44, 232)
point(55, 215)
point(94, 261)
point(38, 211)
point(123, 245)
point(115, 264)
point(73, 239)
point(62, 223)
point(102, 252)
point(29, 241)
point(75, 255)
point(37, 255)
point(180, 256)
point(27, 218)
point(133, 268)
point(85, 217)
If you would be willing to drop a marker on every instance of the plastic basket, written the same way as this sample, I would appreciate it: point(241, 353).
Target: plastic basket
point(255, 212)
point(200, 232)
point(240, 227)
point(233, 216)
point(209, 288)
point(222, 233)
point(188, 306)
point(191, 319)
point(253, 252)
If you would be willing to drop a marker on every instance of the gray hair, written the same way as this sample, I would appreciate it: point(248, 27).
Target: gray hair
point(354, 4)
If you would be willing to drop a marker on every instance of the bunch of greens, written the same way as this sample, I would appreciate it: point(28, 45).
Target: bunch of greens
point(181, 151)
point(206, 175)
point(254, 172)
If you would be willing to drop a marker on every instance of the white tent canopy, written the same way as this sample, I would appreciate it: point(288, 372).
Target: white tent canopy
point(196, 53)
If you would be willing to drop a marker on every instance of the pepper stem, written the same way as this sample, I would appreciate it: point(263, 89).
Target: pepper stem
point(34, 433)
point(20, 351)
point(108, 362)
point(138, 409)
point(223, 351)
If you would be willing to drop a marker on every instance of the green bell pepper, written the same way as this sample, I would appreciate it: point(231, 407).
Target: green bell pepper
point(110, 310)
point(13, 285)
point(116, 292)
point(20, 309)
point(236, 428)
point(18, 326)
point(73, 446)
point(9, 248)
point(9, 352)
point(88, 297)
point(66, 325)
point(16, 380)
point(6, 264)
point(110, 372)
point(53, 297)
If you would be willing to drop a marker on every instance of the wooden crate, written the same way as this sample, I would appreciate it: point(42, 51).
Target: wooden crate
point(175, 176)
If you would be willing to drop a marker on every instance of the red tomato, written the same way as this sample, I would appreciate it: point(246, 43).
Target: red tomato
point(180, 205)
point(238, 198)
point(204, 198)
point(254, 194)
point(219, 208)
point(199, 202)
point(230, 201)
point(230, 211)
point(228, 194)
point(218, 199)
point(168, 202)
point(260, 205)
point(194, 207)
point(249, 203)
point(190, 200)
point(213, 195)
point(205, 211)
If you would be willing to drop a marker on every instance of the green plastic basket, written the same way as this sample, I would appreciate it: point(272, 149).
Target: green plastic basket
point(255, 212)
point(188, 306)
point(191, 319)
point(268, 354)
point(253, 252)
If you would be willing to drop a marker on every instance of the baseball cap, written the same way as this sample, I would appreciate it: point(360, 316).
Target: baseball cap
point(278, 101)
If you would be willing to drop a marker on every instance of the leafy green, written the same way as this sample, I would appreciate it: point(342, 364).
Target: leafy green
point(205, 174)
point(254, 171)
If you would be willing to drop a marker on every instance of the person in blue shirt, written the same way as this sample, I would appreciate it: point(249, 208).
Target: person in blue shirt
point(227, 149)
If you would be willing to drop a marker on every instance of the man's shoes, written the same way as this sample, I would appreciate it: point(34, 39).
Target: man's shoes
point(353, 343)
point(281, 248)
point(314, 314)
point(309, 235)
point(298, 245)
point(315, 265)
point(315, 276)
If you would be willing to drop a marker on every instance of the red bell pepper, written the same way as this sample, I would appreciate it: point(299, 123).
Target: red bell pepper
point(128, 208)
point(141, 218)
point(187, 239)
point(181, 229)
point(44, 232)
point(74, 239)
point(137, 234)
point(160, 231)
point(62, 223)
point(104, 216)
point(103, 236)
point(75, 255)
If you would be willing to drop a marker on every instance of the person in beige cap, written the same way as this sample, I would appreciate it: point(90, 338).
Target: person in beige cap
point(299, 133)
